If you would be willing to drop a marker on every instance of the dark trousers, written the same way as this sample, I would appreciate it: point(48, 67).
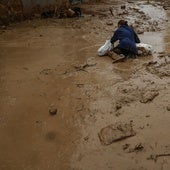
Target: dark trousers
point(125, 52)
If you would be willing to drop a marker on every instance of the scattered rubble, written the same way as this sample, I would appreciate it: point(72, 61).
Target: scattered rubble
point(168, 108)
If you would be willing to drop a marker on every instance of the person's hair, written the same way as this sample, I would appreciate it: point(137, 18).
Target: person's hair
point(122, 22)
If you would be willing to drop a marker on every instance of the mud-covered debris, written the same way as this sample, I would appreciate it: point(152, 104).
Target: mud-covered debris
point(126, 146)
point(48, 14)
point(109, 23)
point(111, 11)
point(120, 58)
point(140, 31)
point(165, 7)
point(168, 108)
point(130, 2)
point(38, 121)
point(148, 96)
point(164, 55)
point(156, 156)
point(70, 13)
point(62, 12)
point(46, 71)
point(123, 12)
point(84, 66)
point(139, 147)
point(118, 106)
point(160, 67)
point(117, 114)
point(3, 27)
point(123, 7)
point(147, 116)
point(86, 138)
point(150, 63)
point(35, 15)
point(115, 132)
point(53, 110)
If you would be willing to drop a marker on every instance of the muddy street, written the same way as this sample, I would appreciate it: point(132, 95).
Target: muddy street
point(57, 95)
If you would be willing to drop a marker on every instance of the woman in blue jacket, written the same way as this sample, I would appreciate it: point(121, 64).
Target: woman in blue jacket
point(127, 39)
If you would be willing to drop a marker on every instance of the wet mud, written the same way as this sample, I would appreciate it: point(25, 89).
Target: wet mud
point(57, 94)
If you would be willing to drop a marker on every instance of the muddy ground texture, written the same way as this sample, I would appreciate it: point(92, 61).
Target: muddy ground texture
point(63, 107)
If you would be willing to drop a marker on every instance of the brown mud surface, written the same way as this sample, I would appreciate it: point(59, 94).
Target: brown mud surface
point(53, 63)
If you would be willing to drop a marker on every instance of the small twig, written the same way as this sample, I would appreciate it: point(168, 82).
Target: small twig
point(155, 157)
point(111, 11)
point(80, 69)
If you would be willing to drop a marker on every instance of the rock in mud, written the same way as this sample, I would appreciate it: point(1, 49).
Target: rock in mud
point(137, 148)
point(53, 110)
point(123, 7)
point(115, 132)
point(148, 96)
point(168, 108)
point(118, 106)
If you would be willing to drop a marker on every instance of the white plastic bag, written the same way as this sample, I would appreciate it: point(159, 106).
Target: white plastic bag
point(103, 50)
point(145, 49)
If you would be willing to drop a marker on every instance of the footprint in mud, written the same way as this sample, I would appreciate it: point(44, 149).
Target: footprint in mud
point(50, 136)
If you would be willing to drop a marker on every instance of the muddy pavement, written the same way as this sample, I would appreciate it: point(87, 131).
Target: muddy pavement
point(57, 94)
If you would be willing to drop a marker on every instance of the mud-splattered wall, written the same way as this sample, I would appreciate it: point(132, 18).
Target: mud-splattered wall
point(10, 10)
point(16, 10)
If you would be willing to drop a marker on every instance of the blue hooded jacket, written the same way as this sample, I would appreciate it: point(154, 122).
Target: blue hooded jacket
point(127, 38)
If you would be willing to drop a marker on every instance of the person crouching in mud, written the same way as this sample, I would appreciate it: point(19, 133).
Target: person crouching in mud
point(127, 40)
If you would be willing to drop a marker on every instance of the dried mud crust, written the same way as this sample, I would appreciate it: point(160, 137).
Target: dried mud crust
point(130, 92)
